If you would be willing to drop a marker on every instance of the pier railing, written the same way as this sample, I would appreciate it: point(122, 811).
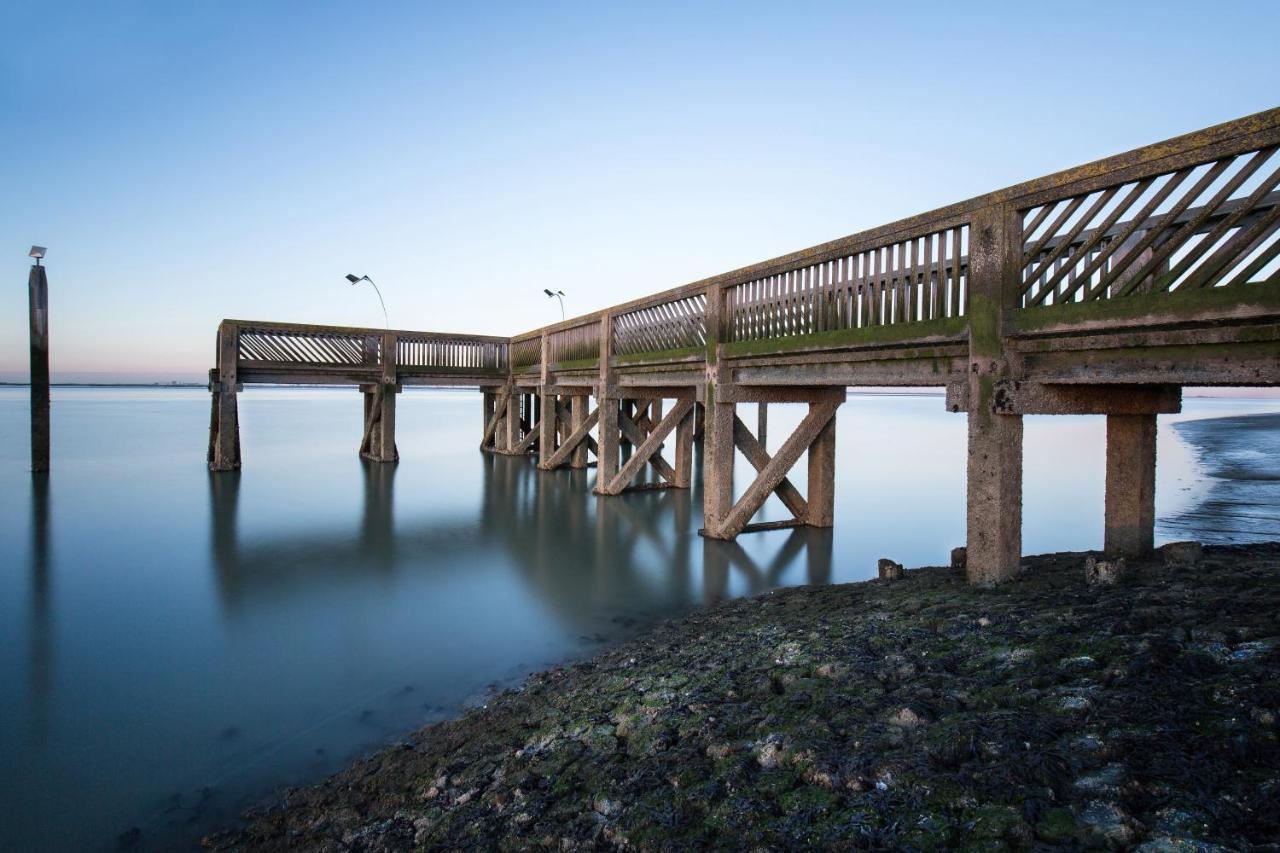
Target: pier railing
point(1198, 213)
point(328, 352)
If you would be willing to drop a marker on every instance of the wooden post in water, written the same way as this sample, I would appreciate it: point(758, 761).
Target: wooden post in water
point(38, 289)
point(224, 427)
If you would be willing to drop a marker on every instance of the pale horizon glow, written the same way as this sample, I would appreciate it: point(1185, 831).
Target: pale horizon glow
point(192, 162)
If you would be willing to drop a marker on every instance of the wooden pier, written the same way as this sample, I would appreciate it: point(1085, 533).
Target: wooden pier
point(1102, 289)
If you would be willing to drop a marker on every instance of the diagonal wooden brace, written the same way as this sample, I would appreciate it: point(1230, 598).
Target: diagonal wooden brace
point(772, 475)
point(759, 459)
point(566, 449)
point(647, 448)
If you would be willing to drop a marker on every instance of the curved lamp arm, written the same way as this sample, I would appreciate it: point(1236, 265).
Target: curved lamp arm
point(354, 281)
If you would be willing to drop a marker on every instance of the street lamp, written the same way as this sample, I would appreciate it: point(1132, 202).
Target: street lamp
point(37, 252)
point(354, 279)
point(558, 294)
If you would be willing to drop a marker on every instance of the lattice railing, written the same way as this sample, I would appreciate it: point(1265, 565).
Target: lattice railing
point(293, 347)
point(429, 351)
point(672, 325)
point(906, 281)
point(526, 354)
point(1203, 226)
point(577, 343)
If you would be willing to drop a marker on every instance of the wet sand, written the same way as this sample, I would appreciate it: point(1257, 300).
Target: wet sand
point(1240, 502)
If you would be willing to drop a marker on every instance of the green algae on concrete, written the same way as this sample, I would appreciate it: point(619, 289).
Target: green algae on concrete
point(915, 714)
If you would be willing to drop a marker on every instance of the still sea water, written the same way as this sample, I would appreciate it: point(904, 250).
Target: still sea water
point(176, 645)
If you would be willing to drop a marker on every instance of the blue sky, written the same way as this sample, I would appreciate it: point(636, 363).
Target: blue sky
point(187, 162)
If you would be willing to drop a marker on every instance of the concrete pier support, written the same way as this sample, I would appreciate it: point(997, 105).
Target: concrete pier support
point(995, 435)
point(822, 473)
point(224, 425)
point(717, 459)
point(548, 430)
point(379, 441)
point(609, 443)
point(994, 496)
point(578, 417)
point(1131, 485)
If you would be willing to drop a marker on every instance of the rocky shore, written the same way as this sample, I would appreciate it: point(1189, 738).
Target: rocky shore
point(917, 713)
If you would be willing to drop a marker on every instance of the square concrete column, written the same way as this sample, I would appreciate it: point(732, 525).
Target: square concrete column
point(546, 426)
point(607, 460)
point(1131, 485)
point(994, 496)
point(379, 442)
point(822, 474)
point(684, 451)
point(577, 417)
point(225, 441)
point(717, 461)
point(511, 424)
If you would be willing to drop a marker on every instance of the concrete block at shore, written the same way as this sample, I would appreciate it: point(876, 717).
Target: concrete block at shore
point(1104, 572)
point(1182, 554)
point(889, 570)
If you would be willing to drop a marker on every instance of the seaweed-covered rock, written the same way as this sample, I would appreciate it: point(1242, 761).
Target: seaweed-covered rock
point(923, 714)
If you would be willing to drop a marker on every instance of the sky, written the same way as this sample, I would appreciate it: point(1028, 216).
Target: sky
point(186, 162)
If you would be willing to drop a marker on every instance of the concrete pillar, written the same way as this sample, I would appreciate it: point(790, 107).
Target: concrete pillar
point(486, 409)
point(717, 461)
point(607, 459)
point(995, 440)
point(822, 475)
point(684, 451)
point(577, 417)
point(225, 441)
point(1131, 485)
point(511, 426)
point(546, 427)
point(379, 442)
point(38, 292)
point(762, 425)
point(994, 496)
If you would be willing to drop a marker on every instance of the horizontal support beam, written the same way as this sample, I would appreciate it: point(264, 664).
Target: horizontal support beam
point(1019, 397)
point(733, 393)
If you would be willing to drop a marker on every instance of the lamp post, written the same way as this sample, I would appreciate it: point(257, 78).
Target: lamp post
point(558, 294)
point(354, 279)
point(38, 290)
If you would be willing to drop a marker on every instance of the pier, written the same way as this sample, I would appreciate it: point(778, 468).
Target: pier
point(1103, 289)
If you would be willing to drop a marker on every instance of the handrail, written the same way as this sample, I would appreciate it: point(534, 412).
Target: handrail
point(1198, 211)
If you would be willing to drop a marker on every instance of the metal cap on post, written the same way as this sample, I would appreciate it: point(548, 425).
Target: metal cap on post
point(38, 289)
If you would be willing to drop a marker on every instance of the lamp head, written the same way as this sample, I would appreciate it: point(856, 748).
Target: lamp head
point(548, 292)
point(37, 252)
point(353, 278)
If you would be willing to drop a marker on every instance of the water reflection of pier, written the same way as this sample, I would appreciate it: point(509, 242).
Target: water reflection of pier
point(577, 552)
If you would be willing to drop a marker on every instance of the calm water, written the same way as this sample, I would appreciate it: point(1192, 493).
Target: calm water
point(174, 645)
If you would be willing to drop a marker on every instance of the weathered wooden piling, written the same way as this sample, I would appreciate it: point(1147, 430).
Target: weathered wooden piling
point(38, 294)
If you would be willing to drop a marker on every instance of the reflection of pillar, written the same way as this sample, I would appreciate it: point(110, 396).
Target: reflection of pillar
point(818, 555)
point(715, 570)
point(41, 617)
point(1130, 503)
point(224, 496)
point(377, 527)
